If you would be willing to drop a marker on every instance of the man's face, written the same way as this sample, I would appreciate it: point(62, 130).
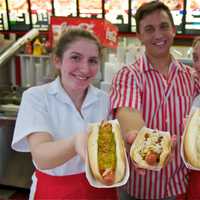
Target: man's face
point(157, 33)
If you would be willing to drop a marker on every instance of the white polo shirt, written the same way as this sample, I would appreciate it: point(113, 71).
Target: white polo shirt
point(48, 108)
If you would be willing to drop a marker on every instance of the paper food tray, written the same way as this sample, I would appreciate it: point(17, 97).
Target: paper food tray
point(149, 130)
point(97, 184)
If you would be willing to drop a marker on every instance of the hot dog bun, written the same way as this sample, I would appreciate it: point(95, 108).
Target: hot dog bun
point(109, 167)
point(191, 142)
point(151, 148)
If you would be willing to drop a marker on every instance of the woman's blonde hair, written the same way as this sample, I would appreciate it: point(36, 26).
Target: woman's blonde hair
point(196, 41)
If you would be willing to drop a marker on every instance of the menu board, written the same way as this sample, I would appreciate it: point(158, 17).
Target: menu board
point(177, 10)
point(116, 11)
point(92, 8)
point(65, 8)
point(192, 20)
point(176, 7)
point(19, 18)
point(41, 11)
point(3, 16)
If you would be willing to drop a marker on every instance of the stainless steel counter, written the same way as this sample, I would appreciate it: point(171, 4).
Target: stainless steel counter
point(15, 168)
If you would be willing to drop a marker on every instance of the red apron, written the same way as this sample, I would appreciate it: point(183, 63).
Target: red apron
point(194, 185)
point(69, 187)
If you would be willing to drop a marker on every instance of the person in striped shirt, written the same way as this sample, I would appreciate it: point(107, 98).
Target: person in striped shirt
point(156, 91)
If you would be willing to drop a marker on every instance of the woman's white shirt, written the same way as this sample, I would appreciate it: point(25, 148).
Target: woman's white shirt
point(48, 108)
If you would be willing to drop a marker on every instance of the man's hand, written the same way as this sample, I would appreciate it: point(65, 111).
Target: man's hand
point(130, 137)
point(172, 154)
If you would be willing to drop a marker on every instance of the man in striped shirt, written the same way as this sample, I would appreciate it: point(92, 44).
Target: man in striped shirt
point(156, 91)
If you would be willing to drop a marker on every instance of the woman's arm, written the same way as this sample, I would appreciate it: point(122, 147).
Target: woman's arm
point(48, 153)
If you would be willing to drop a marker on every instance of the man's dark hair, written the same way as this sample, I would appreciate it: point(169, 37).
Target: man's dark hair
point(148, 8)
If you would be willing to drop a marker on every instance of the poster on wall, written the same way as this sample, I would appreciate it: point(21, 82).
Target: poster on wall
point(116, 11)
point(104, 30)
point(19, 17)
point(176, 7)
point(92, 8)
point(192, 24)
point(3, 16)
point(41, 12)
point(65, 8)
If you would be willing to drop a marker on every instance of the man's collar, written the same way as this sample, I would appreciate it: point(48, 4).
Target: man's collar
point(147, 66)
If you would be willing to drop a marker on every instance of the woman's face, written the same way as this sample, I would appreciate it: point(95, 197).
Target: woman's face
point(79, 65)
point(196, 58)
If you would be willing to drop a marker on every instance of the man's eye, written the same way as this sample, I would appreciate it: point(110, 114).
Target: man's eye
point(149, 30)
point(76, 58)
point(164, 27)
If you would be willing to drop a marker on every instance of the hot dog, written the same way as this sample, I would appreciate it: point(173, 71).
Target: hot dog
point(151, 148)
point(191, 141)
point(106, 153)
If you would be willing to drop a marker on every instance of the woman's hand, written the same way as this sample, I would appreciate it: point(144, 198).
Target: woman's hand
point(81, 145)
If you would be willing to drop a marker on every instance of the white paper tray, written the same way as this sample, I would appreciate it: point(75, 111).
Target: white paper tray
point(188, 165)
point(95, 183)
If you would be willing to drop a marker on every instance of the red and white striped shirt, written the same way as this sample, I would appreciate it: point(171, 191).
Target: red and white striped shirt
point(164, 103)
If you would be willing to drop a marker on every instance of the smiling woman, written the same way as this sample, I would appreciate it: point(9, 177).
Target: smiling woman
point(53, 119)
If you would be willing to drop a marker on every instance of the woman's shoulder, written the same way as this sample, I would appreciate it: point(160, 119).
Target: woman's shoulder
point(36, 94)
point(99, 92)
point(39, 90)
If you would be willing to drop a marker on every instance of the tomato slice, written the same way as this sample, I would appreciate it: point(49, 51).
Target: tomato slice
point(152, 158)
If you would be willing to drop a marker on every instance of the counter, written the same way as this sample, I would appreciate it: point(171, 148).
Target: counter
point(15, 168)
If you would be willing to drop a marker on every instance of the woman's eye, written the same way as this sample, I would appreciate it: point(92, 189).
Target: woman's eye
point(195, 58)
point(93, 61)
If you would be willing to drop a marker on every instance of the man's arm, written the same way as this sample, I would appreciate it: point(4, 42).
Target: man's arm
point(130, 120)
